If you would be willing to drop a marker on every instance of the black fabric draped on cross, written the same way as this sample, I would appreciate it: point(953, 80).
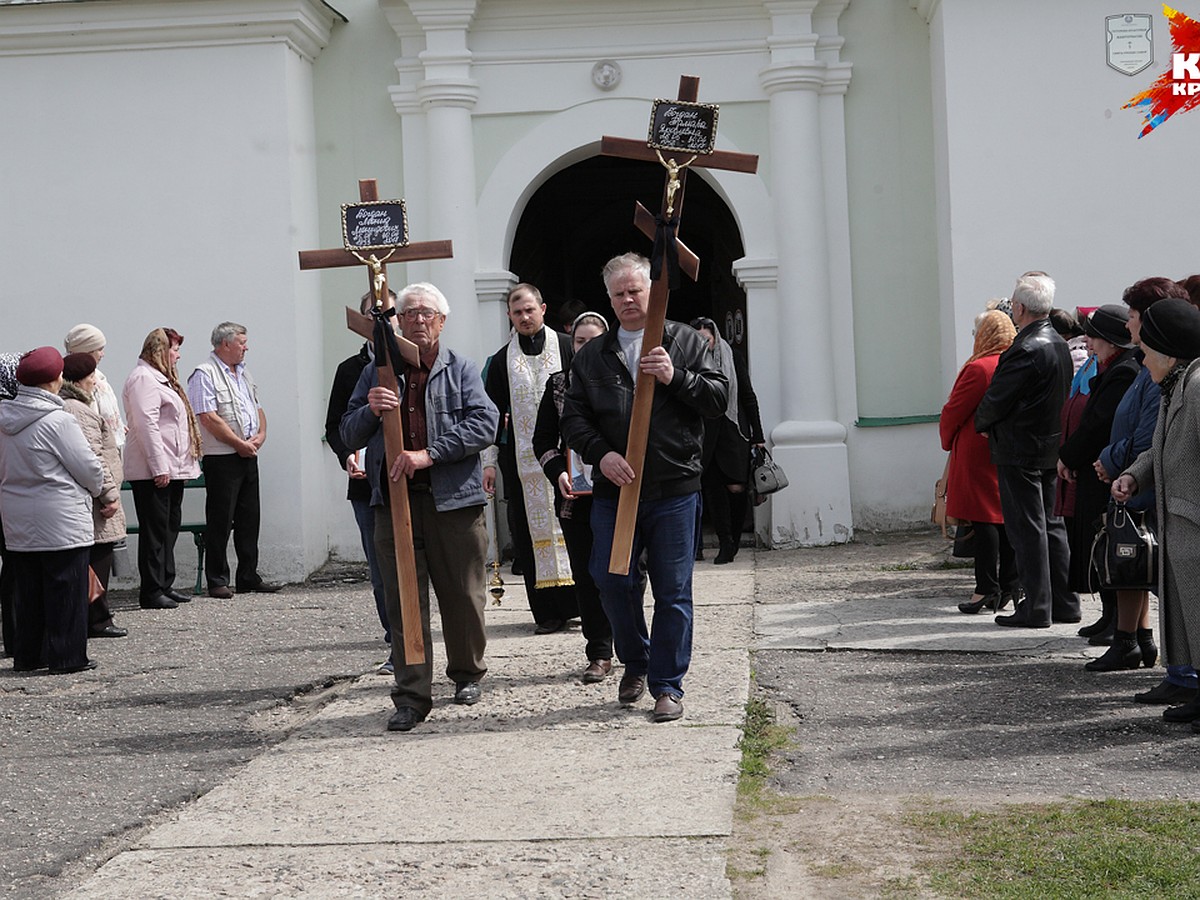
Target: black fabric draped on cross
point(665, 249)
point(384, 339)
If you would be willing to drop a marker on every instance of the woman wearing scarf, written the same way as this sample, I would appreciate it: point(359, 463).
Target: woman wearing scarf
point(972, 491)
point(727, 441)
point(1170, 338)
point(162, 452)
point(108, 518)
point(89, 339)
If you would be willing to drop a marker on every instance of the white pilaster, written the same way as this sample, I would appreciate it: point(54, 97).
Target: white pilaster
point(810, 439)
point(447, 94)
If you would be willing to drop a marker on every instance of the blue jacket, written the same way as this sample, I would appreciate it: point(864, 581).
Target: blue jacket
point(1132, 431)
point(459, 418)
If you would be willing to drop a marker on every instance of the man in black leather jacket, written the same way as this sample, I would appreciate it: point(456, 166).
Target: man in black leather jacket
point(595, 424)
point(1021, 415)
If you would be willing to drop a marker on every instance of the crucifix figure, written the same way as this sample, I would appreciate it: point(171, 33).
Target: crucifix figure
point(377, 229)
point(672, 127)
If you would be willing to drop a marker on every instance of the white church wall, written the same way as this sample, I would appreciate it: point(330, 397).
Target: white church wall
point(889, 155)
point(358, 135)
point(176, 185)
point(1045, 169)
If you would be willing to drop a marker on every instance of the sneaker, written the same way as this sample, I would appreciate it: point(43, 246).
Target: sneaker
point(386, 667)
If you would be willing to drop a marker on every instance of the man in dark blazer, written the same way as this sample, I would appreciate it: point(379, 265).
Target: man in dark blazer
point(1021, 415)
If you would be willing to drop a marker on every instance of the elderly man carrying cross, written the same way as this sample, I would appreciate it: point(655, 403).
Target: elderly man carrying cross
point(595, 424)
point(447, 420)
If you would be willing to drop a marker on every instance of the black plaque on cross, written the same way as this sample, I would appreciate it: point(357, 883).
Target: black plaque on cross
point(688, 132)
point(369, 227)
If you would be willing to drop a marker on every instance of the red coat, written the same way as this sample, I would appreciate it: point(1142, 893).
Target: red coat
point(971, 492)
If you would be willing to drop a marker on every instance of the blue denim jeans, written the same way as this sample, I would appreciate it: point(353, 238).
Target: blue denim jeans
point(666, 529)
point(1182, 676)
point(365, 517)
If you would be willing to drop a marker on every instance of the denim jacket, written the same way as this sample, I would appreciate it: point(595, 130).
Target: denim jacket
point(1133, 431)
point(460, 419)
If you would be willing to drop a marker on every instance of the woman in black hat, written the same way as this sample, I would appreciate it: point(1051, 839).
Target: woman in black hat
point(1107, 333)
point(1170, 337)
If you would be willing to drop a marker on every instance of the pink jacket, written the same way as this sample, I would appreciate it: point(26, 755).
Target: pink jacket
point(157, 442)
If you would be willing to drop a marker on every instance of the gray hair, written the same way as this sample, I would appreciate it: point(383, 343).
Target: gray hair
point(1034, 291)
point(225, 331)
point(626, 262)
point(429, 292)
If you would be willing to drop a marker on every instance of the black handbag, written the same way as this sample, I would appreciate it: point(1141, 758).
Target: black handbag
point(1125, 550)
point(964, 541)
point(765, 476)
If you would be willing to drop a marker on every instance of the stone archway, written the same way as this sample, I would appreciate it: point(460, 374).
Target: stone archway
point(582, 216)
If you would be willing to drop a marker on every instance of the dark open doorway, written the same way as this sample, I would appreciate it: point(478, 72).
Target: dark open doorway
point(583, 216)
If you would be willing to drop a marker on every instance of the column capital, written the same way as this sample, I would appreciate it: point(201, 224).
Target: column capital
point(756, 273)
point(837, 78)
point(443, 15)
point(493, 286)
point(461, 93)
point(796, 75)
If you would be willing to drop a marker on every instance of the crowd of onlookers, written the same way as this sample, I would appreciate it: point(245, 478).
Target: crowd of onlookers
point(65, 455)
point(1059, 418)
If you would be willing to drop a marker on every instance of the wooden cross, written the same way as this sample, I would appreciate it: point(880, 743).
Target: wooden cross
point(677, 163)
point(393, 432)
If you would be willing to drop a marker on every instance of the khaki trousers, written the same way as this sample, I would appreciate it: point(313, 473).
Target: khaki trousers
point(451, 550)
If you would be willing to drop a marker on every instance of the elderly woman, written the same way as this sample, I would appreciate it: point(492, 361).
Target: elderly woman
point(1087, 430)
point(89, 339)
point(48, 477)
point(108, 518)
point(725, 478)
point(574, 507)
point(972, 492)
point(1132, 433)
point(161, 454)
point(1170, 338)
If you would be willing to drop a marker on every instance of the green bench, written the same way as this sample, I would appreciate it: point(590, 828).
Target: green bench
point(196, 529)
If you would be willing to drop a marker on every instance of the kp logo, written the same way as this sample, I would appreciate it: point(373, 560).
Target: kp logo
point(1178, 89)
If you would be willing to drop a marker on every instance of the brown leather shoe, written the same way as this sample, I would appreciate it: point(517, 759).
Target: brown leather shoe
point(597, 670)
point(668, 708)
point(220, 592)
point(631, 688)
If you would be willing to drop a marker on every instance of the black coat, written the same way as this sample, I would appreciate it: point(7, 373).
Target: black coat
point(344, 381)
point(1022, 408)
point(1081, 448)
point(599, 403)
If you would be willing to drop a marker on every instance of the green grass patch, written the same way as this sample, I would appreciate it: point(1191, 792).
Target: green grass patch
point(761, 736)
point(1062, 851)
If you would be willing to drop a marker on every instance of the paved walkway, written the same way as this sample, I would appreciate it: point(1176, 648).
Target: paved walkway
point(545, 788)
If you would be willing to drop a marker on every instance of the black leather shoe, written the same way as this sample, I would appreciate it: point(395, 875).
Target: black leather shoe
point(1016, 620)
point(263, 587)
point(404, 718)
point(466, 693)
point(19, 666)
point(159, 601)
point(549, 626)
point(1123, 654)
point(70, 670)
point(107, 631)
point(1072, 619)
point(1166, 693)
point(631, 688)
point(177, 596)
point(1188, 712)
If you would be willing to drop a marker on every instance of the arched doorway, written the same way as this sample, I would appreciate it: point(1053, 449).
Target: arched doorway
point(583, 216)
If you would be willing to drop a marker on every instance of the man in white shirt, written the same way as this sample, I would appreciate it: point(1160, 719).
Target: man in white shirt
point(233, 427)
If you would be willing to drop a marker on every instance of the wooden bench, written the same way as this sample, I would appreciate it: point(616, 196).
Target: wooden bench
point(196, 529)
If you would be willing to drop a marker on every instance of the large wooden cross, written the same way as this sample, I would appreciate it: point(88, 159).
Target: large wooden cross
point(413, 651)
point(676, 163)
